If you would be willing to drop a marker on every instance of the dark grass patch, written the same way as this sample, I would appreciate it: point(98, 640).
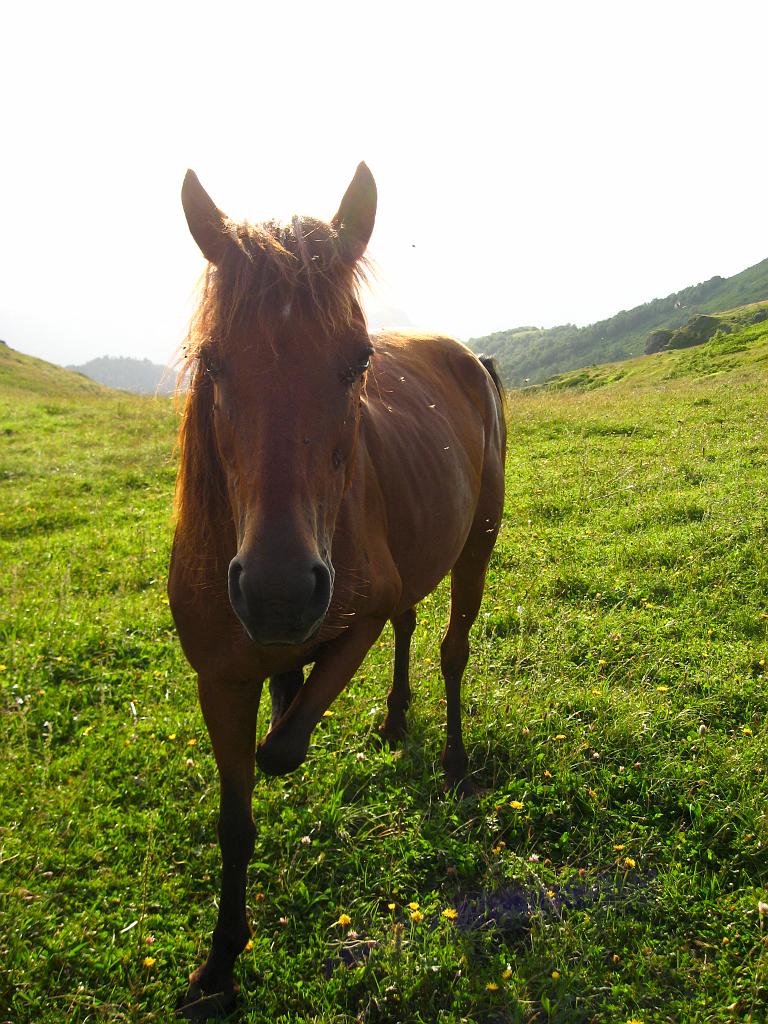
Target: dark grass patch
point(42, 525)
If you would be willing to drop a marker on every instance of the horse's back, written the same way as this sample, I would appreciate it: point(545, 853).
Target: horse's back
point(433, 428)
point(411, 373)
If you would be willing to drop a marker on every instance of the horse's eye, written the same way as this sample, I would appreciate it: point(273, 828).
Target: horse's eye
point(209, 363)
point(354, 372)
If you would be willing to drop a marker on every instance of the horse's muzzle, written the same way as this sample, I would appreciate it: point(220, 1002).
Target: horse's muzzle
point(284, 607)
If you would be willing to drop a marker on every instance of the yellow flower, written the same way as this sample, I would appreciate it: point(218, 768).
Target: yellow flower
point(149, 961)
point(516, 805)
point(450, 913)
point(560, 736)
point(172, 736)
point(417, 917)
point(391, 906)
point(747, 731)
point(619, 847)
point(635, 1020)
point(192, 743)
point(550, 894)
point(492, 986)
point(555, 975)
point(344, 920)
point(249, 946)
point(327, 714)
point(591, 793)
point(413, 905)
point(630, 862)
point(507, 973)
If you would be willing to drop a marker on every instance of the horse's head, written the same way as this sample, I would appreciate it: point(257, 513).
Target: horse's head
point(280, 350)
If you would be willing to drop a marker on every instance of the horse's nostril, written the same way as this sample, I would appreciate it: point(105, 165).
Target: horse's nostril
point(235, 572)
point(322, 594)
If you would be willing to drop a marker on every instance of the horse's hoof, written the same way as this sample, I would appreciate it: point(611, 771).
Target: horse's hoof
point(198, 1005)
point(275, 756)
point(391, 734)
point(461, 787)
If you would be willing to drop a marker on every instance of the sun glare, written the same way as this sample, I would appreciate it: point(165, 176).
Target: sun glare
point(532, 167)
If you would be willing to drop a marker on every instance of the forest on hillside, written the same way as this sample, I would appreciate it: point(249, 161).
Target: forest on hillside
point(532, 354)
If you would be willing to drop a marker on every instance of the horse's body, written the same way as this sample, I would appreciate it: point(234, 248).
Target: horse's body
point(328, 482)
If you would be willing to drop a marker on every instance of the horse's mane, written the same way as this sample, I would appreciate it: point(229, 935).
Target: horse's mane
point(269, 269)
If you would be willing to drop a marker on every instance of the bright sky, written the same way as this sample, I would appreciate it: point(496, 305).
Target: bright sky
point(537, 163)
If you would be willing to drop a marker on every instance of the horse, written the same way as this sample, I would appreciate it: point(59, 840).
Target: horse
point(328, 480)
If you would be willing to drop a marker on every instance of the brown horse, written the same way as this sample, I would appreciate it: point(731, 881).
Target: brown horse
point(328, 481)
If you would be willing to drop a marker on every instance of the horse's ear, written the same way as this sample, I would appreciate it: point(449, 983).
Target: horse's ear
point(357, 212)
point(205, 219)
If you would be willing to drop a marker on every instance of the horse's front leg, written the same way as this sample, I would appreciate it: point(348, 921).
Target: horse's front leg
point(230, 715)
point(285, 745)
point(283, 689)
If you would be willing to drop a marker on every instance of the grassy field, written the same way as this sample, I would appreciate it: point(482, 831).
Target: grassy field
point(613, 866)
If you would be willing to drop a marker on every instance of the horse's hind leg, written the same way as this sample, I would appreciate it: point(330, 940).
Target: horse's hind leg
point(395, 725)
point(282, 689)
point(467, 583)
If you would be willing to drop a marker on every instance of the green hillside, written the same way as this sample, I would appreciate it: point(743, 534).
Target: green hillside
point(25, 374)
point(613, 866)
point(738, 345)
point(530, 354)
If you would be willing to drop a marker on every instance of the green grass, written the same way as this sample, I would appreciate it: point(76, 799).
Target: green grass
point(616, 691)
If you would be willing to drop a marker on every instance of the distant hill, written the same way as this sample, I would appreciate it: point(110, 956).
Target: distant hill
point(126, 374)
point(532, 354)
point(382, 318)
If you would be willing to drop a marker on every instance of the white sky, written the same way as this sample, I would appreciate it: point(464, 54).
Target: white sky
point(537, 163)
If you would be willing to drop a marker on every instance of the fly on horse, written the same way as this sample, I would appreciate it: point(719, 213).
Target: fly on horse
point(328, 480)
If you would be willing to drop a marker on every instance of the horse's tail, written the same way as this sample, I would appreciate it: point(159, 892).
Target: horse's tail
point(493, 371)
